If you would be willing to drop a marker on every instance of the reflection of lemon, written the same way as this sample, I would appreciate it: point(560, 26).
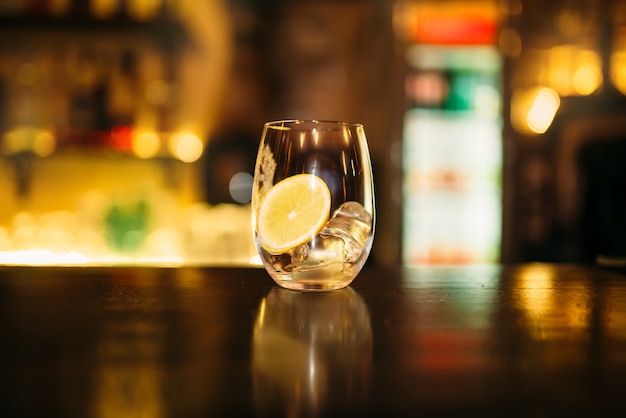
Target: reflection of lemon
point(293, 212)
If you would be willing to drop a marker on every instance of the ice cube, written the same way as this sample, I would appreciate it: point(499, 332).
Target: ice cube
point(353, 224)
point(323, 256)
point(279, 262)
point(299, 255)
point(337, 247)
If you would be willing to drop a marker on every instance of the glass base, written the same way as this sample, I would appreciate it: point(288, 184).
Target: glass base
point(313, 286)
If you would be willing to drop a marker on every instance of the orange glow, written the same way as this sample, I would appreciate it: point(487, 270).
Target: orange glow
point(533, 110)
point(44, 144)
point(146, 144)
point(449, 23)
point(26, 138)
point(587, 76)
point(586, 80)
point(143, 9)
point(618, 70)
point(574, 71)
point(560, 80)
point(122, 137)
point(103, 9)
point(543, 110)
point(459, 23)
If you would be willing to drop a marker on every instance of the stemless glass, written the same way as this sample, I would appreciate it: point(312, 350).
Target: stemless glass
point(313, 209)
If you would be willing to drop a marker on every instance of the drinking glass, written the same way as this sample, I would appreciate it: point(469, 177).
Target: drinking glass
point(313, 209)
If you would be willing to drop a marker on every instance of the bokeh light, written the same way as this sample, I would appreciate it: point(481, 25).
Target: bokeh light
point(543, 110)
point(44, 144)
point(587, 76)
point(187, 147)
point(618, 70)
point(240, 187)
point(146, 144)
point(103, 9)
point(143, 9)
point(533, 110)
point(574, 71)
point(28, 139)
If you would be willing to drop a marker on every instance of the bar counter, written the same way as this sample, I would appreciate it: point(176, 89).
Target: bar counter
point(531, 340)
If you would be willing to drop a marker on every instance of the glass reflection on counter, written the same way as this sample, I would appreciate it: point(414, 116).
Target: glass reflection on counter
point(311, 349)
point(126, 391)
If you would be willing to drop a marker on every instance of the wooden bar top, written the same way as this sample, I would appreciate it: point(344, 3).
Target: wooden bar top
point(531, 340)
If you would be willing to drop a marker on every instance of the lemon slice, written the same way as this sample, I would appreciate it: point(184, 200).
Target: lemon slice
point(293, 212)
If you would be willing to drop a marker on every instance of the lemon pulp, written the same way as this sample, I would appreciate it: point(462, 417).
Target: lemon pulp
point(293, 212)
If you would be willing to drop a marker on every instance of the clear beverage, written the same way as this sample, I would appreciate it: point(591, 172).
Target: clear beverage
point(313, 211)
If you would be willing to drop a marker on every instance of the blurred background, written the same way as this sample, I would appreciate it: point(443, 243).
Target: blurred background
point(129, 128)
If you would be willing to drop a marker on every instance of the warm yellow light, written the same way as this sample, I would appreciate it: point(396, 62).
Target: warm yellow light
point(560, 80)
point(404, 19)
point(586, 80)
point(103, 9)
point(618, 70)
point(587, 77)
point(44, 144)
point(146, 144)
point(574, 71)
point(519, 108)
point(28, 139)
point(186, 147)
point(560, 68)
point(38, 257)
point(536, 293)
point(543, 110)
point(522, 101)
point(532, 110)
point(143, 9)
point(12, 143)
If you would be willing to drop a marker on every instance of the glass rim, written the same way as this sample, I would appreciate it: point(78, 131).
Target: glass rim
point(322, 123)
